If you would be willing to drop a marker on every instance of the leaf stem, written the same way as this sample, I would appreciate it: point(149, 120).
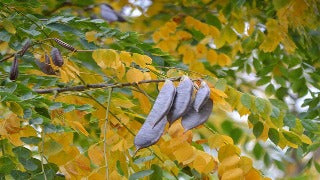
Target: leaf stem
point(105, 132)
point(41, 153)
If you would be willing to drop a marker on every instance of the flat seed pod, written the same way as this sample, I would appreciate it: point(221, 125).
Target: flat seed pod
point(202, 96)
point(182, 100)
point(56, 57)
point(147, 135)
point(14, 71)
point(163, 103)
point(193, 118)
point(64, 44)
point(25, 47)
point(45, 66)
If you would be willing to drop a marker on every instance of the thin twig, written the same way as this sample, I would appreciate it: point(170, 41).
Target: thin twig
point(41, 154)
point(104, 134)
point(102, 85)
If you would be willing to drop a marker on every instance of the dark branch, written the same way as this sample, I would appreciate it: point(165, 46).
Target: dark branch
point(102, 85)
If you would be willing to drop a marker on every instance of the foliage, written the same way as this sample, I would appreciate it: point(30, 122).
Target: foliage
point(260, 59)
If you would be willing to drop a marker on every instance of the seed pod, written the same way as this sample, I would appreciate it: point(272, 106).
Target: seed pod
point(202, 96)
point(193, 118)
point(64, 44)
point(14, 71)
point(25, 47)
point(148, 135)
point(182, 100)
point(56, 57)
point(45, 66)
point(163, 103)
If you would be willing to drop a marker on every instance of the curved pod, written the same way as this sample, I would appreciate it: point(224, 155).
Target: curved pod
point(56, 57)
point(194, 119)
point(14, 71)
point(45, 66)
point(202, 96)
point(182, 100)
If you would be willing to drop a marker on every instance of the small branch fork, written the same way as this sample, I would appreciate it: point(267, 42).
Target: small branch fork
point(102, 85)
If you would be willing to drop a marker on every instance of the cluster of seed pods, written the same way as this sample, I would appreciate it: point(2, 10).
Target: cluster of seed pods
point(171, 104)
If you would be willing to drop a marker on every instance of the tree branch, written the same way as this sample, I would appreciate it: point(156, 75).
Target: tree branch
point(102, 85)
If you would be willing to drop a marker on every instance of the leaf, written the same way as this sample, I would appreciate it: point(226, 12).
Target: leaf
point(95, 154)
point(78, 126)
point(134, 75)
point(119, 169)
point(317, 166)
point(216, 141)
point(157, 174)
point(91, 36)
point(8, 26)
point(292, 137)
point(227, 151)
point(31, 140)
point(273, 135)
point(245, 164)
point(235, 173)
point(141, 174)
point(143, 159)
point(141, 60)
point(106, 58)
point(6, 165)
point(290, 120)
point(22, 152)
point(260, 104)
point(184, 153)
point(246, 100)
point(257, 129)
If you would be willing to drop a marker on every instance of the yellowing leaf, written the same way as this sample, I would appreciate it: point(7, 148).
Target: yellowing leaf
point(253, 174)
point(134, 75)
point(305, 139)
point(90, 36)
point(245, 164)
point(120, 71)
point(8, 26)
point(78, 126)
point(227, 151)
point(229, 35)
point(202, 161)
point(143, 100)
point(228, 163)
point(126, 58)
point(216, 140)
point(141, 60)
point(224, 60)
point(233, 174)
point(106, 58)
point(95, 154)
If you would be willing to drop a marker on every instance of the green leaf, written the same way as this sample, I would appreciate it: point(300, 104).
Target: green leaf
point(309, 125)
point(22, 152)
point(273, 135)
point(270, 90)
point(253, 118)
point(260, 104)
point(19, 175)
point(258, 151)
point(290, 120)
point(31, 140)
point(6, 165)
point(157, 174)
point(291, 137)
point(31, 164)
point(317, 166)
point(140, 174)
point(246, 100)
point(258, 129)
point(263, 80)
point(119, 169)
point(213, 20)
point(143, 159)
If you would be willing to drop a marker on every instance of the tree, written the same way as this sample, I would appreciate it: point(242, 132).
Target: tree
point(77, 116)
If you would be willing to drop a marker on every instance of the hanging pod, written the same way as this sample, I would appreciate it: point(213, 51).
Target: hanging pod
point(25, 47)
point(14, 71)
point(64, 44)
point(202, 96)
point(153, 127)
point(45, 66)
point(182, 100)
point(56, 57)
point(193, 118)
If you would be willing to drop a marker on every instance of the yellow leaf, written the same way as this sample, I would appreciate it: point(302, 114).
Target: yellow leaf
point(212, 57)
point(184, 152)
point(305, 139)
point(227, 150)
point(126, 58)
point(141, 60)
point(228, 163)
point(224, 60)
point(122, 101)
point(239, 26)
point(216, 140)
point(95, 154)
point(218, 92)
point(245, 164)
point(229, 35)
point(120, 71)
point(78, 126)
point(214, 32)
point(134, 75)
point(233, 174)
point(8, 26)
point(90, 36)
point(253, 174)
point(106, 58)
point(143, 100)
point(15, 107)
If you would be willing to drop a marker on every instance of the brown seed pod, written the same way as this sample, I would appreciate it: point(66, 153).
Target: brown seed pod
point(64, 44)
point(193, 118)
point(14, 71)
point(163, 103)
point(25, 47)
point(148, 135)
point(45, 66)
point(202, 96)
point(182, 100)
point(56, 57)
